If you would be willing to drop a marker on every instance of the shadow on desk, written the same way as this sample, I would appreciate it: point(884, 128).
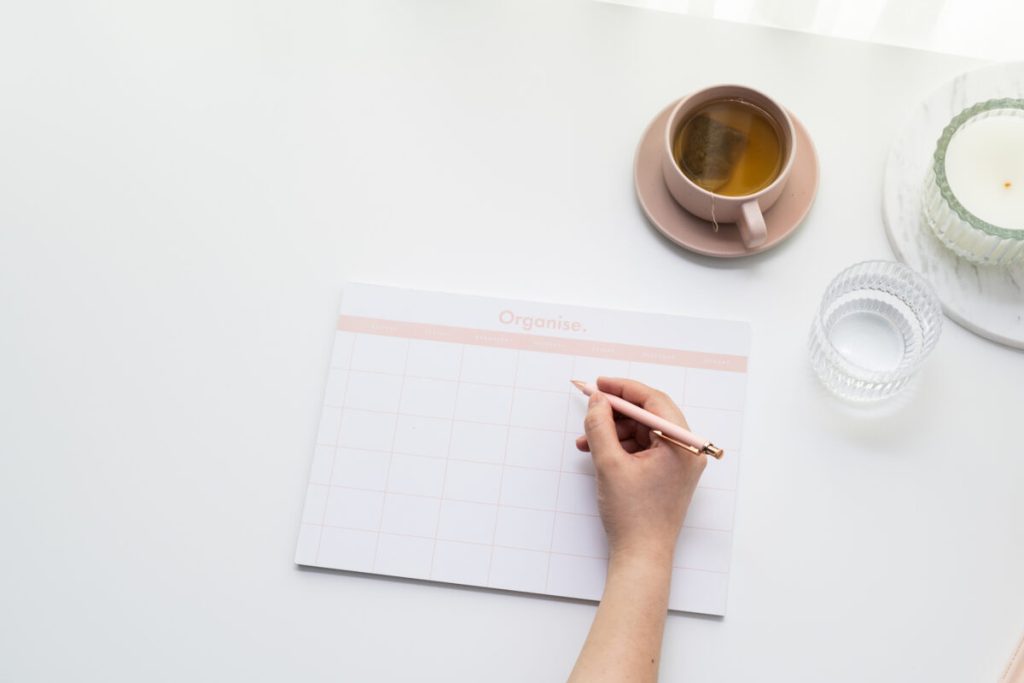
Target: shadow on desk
point(441, 585)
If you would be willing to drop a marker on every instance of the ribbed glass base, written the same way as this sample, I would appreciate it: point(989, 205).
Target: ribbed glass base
point(877, 322)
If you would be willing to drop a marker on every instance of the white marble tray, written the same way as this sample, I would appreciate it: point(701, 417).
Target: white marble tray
point(987, 301)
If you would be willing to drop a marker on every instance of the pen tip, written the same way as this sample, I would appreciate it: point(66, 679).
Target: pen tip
point(576, 383)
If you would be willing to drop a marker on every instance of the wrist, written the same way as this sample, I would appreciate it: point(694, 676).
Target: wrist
point(642, 556)
point(642, 576)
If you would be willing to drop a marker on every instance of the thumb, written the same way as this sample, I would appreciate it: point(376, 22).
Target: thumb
point(600, 427)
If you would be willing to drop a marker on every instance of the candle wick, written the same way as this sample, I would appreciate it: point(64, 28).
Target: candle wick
point(1008, 184)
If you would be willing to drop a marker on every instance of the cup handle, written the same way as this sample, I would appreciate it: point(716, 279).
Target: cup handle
point(751, 224)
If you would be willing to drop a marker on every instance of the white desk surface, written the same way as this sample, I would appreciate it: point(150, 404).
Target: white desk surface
point(186, 187)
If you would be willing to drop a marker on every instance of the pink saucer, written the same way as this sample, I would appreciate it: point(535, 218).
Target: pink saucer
point(696, 234)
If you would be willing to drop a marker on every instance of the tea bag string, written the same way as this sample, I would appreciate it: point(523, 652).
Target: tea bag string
point(714, 220)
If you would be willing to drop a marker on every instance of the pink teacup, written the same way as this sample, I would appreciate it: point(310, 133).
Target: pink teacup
point(746, 211)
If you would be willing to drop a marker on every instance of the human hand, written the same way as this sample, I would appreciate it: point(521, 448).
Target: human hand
point(644, 484)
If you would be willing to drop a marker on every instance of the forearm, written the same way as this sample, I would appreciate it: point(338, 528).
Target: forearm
point(624, 643)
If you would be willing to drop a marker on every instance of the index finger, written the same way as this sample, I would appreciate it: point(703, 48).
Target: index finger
point(642, 395)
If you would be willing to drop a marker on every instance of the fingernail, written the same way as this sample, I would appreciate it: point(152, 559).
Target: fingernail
point(596, 398)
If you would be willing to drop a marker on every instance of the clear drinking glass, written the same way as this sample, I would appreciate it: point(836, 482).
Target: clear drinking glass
point(877, 322)
point(965, 233)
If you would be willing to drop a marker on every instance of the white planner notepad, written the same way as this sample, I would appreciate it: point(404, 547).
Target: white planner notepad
point(446, 443)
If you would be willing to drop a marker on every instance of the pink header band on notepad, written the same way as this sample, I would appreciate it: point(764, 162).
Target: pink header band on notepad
point(544, 344)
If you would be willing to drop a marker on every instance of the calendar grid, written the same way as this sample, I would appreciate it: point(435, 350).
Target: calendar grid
point(391, 456)
point(486, 384)
point(442, 458)
point(554, 510)
point(323, 517)
point(433, 554)
point(561, 470)
point(501, 475)
point(512, 547)
point(558, 486)
point(496, 386)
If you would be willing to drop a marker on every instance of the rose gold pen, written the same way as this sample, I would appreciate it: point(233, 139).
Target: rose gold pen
point(666, 430)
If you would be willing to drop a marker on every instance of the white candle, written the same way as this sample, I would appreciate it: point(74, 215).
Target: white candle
point(985, 169)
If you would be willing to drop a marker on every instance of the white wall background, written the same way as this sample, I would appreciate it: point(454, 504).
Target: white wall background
point(986, 29)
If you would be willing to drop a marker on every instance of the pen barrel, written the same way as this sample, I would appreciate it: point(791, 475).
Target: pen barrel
point(649, 419)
